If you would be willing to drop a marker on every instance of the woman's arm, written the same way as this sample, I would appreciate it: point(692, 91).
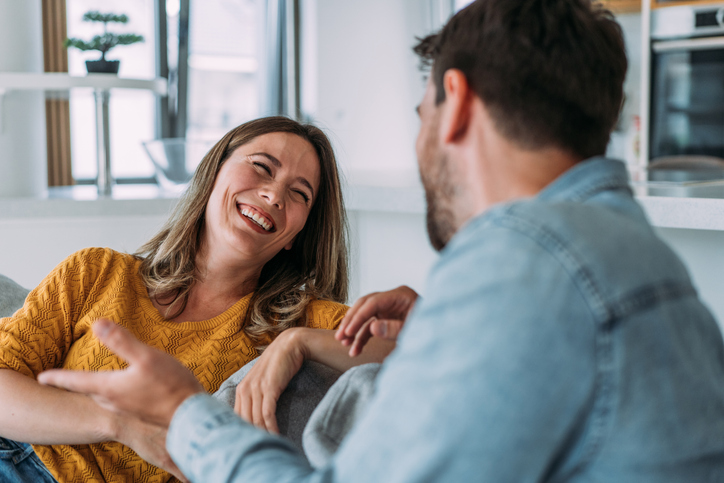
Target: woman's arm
point(321, 346)
point(37, 414)
point(45, 415)
point(258, 392)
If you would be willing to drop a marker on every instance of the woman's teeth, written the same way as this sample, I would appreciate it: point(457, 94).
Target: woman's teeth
point(259, 220)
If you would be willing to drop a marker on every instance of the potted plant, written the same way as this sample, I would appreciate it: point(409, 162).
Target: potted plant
point(103, 43)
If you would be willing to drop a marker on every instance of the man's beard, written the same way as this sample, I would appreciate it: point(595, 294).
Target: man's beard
point(439, 193)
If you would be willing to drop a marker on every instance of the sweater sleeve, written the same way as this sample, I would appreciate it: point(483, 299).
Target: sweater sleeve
point(323, 314)
point(38, 336)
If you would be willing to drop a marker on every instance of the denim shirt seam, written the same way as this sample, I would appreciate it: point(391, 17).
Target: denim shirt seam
point(572, 186)
point(607, 184)
point(604, 381)
point(605, 314)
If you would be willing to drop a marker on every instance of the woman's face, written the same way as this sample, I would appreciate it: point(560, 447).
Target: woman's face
point(261, 198)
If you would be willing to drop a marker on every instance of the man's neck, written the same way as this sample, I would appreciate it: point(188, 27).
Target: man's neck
point(499, 171)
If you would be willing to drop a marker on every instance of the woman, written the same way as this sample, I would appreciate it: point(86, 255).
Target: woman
point(256, 246)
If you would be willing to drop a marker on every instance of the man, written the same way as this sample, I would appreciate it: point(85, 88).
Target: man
point(560, 339)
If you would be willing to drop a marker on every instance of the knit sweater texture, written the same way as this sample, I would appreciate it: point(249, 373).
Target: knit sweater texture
point(53, 330)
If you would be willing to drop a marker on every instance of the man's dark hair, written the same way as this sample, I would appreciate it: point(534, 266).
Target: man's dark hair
point(550, 72)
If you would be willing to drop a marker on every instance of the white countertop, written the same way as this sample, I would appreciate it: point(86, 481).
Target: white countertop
point(668, 211)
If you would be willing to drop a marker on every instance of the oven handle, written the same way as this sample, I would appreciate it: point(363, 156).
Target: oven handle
point(706, 43)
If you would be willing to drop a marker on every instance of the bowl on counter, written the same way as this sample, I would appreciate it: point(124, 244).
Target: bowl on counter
point(175, 160)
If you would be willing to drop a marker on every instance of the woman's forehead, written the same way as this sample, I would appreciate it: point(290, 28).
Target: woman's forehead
point(282, 141)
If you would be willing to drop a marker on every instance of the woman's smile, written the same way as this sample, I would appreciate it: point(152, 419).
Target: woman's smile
point(256, 218)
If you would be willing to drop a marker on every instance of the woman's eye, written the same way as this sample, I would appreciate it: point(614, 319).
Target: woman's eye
point(262, 166)
point(303, 195)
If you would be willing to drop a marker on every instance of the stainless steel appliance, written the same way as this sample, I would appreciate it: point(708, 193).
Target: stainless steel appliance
point(687, 92)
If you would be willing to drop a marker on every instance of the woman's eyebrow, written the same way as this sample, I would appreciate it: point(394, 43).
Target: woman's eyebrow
point(271, 158)
point(307, 184)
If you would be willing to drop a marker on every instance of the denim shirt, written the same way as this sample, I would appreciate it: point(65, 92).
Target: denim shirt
point(560, 340)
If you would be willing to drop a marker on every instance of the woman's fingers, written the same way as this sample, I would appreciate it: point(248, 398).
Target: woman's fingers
point(257, 407)
point(245, 406)
point(256, 410)
point(268, 411)
point(257, 394)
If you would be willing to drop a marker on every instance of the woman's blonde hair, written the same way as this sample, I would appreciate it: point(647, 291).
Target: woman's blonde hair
point(314, 268)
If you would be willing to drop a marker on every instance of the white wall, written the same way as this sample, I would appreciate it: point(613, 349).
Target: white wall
point(388, 250)
point(32, 247)
point(365, 82)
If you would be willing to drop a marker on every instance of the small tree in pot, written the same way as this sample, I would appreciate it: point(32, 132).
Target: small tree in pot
point(105, 42)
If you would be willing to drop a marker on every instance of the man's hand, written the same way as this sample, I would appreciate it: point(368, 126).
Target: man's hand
point(379, 314)
point(257, 394)
point(152, 387)
point(149, 442)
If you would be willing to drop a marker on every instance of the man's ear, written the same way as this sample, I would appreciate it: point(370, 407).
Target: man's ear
point(457, 107)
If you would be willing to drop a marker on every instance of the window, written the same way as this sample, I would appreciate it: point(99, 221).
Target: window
point(132, 112)
point(217, 86)
point(225, 38)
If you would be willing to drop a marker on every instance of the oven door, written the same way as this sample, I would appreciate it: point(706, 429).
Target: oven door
point(687, 98)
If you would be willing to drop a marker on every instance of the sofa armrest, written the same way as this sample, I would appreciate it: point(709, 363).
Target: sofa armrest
point(12, 296)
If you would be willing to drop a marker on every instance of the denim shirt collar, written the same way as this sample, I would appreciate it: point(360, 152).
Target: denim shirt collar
point(586, 179)
point(578, 184)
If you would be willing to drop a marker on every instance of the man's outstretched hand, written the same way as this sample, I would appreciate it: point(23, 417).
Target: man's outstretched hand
point(152, 387)
point(379, 314)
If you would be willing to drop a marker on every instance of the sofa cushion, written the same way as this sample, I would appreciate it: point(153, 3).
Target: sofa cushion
point(297, 402)
point(12, 296)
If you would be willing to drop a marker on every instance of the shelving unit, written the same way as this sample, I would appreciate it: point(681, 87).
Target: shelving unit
point(101, 85)
point(634, 6)
point(623, 6)
point(660, 4)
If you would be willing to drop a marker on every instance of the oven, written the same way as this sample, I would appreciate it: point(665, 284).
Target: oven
point(686, 131)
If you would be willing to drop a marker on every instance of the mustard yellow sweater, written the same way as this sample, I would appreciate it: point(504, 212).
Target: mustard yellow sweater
point(52, 330)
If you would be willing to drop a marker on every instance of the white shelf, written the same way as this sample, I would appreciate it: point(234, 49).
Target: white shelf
point(101, 85)
point(59, 82)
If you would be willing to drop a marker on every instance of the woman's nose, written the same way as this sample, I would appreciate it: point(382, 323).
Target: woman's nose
point(273, 195)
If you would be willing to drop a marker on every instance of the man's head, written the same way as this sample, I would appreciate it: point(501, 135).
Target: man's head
point(549, 74)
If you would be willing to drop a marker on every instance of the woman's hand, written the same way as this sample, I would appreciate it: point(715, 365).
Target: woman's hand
point(149, 441)
point(257, 394)
point(381, 314)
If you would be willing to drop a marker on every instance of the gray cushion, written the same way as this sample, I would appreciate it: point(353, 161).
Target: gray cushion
point(12, 296)
point(342, 407)
point(298, 400)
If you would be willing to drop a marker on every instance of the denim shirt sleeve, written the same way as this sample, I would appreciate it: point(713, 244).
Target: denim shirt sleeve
point(493, 379)
point(209, 442)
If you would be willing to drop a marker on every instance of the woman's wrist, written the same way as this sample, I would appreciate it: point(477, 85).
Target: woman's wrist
point(296, 340)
